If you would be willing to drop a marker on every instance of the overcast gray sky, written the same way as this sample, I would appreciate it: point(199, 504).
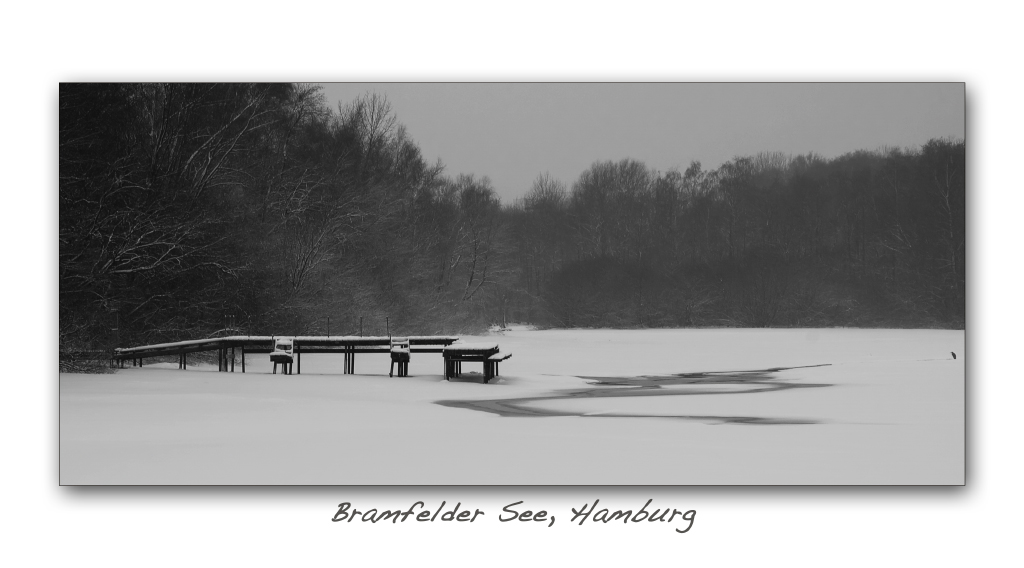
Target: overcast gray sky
point(511, 132)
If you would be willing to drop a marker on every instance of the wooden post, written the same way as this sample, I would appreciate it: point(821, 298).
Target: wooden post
point(275, 368)
point(243, 358)
point(232, 359)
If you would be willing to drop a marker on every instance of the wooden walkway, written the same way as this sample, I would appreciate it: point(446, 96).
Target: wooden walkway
point(228, 347)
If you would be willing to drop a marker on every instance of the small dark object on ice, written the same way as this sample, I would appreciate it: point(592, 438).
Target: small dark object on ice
point(954, 354)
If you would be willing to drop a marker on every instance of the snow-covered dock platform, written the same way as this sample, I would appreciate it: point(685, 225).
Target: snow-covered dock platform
point(228, 347)
point(487, 353)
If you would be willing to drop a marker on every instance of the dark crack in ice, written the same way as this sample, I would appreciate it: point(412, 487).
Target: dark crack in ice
point(748, 382)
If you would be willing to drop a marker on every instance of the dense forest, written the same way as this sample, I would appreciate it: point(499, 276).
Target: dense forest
point(192, 210)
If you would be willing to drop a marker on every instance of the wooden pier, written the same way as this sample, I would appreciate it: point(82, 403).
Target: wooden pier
point(228, 348)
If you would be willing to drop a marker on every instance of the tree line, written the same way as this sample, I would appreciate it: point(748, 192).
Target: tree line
point(191, 210)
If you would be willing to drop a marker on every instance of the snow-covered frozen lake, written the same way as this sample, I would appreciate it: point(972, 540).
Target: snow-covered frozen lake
point(571, 407)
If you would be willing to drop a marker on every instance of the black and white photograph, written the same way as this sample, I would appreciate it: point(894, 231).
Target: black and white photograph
point(558, 283)
point(513, 283)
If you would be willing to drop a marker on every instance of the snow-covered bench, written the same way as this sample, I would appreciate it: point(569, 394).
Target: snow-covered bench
point(400, 354)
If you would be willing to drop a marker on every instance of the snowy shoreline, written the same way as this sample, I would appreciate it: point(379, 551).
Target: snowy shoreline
point(886, 408)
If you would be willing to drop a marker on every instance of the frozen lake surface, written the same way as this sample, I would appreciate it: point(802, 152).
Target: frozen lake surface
point(572, 407)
